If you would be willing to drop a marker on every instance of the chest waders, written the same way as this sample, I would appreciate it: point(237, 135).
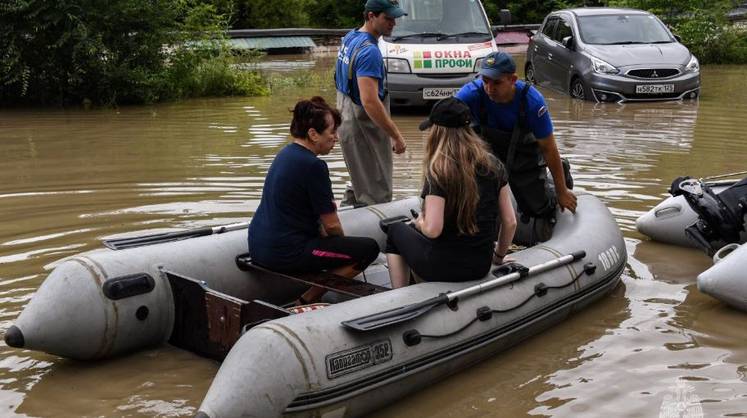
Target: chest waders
point(366, 148)
point(527, 171)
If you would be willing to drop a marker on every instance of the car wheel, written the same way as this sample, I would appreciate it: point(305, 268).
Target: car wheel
point(578, 90)
point(529, 73)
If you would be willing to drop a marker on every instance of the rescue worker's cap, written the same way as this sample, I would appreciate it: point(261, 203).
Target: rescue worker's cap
point(450, 112)
point(390, 7)
point(495, 64)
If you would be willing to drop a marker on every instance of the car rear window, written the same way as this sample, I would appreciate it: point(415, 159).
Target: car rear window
point(622, 29)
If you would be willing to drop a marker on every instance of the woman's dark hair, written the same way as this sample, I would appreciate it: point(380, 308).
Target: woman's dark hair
point(312, 113)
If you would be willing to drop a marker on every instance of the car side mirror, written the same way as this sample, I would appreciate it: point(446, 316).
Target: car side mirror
point(568, 42)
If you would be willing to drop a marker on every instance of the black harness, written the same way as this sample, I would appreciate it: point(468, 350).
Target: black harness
point(351, 71)
point(520, 153)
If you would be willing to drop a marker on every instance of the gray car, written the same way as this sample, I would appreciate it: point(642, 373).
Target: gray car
point(611, 55)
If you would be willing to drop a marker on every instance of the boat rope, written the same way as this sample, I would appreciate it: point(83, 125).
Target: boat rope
point(484, 313)
point(721, 176)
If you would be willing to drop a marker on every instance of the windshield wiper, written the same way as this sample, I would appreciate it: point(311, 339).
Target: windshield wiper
point(624, 43)
point(661, 42)
point(413, 35)
point(454, 35)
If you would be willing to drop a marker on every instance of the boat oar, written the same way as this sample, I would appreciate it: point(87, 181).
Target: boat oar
point(408, 312)
point(122, 243)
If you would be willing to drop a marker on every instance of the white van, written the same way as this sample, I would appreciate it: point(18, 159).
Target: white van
point(435, 49)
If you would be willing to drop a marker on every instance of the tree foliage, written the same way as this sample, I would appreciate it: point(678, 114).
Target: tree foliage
point(702, 25)
point(335, 13)
point(112, 52)
point(135, 51)
point(261, 14)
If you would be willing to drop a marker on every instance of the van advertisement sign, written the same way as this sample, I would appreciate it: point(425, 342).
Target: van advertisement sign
point(442, 59)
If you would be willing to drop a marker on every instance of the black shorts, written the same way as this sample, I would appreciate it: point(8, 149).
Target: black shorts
point(435, 263)
point(329, 253)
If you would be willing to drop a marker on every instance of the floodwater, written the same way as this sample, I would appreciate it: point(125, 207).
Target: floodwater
point(68, 178)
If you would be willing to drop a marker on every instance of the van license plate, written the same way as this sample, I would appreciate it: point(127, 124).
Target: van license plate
point(438, 93)
point(654, 88)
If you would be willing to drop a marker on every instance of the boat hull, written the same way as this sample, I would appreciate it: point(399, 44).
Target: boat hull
point(310, 365)
point(726, 280)
point(71, 315)
point(667, 221)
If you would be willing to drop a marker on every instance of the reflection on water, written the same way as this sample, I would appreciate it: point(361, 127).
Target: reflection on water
point(70, 178)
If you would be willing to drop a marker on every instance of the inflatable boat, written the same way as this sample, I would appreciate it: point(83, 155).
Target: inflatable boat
point(711, 216)
point(365, 347)
point(354, 357)
point(699, 214)
point(726, 280)
point(119, 299)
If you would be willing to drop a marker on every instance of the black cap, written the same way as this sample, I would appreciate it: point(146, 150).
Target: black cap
point(450, 112)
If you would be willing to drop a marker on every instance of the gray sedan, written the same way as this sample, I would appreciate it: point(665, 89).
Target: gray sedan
point(611, 55)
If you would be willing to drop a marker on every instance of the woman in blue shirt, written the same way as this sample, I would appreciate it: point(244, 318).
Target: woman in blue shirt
point(296, 227)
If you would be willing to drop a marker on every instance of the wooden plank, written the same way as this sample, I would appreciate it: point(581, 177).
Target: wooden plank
point(324, 280)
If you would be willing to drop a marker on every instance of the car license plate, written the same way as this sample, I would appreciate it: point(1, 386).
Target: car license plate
point(438, 93)
point(654, 88)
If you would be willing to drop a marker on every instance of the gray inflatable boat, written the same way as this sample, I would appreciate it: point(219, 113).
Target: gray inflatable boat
point(356, 356)
point(699, 214)
point(711, 216)
point(116, 300)
point(726, 280)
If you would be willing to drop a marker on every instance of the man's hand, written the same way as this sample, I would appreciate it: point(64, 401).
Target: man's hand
point(398, 145)
point(567, 200)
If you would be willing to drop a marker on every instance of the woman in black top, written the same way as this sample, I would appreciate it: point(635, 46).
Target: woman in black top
point(296, 228)
point(465, 194)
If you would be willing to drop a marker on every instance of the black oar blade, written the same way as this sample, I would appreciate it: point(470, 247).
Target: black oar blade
point(394, 316)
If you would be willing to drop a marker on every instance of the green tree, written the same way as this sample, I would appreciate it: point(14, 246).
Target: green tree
point(701, 24)
point(62, 52)
point(65, 51)
point(335, 13)
point(531, 11)
point(259, 14)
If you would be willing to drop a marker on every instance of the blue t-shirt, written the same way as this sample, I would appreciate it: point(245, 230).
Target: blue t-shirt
point(368, 63)
point(297, 191)
point(503, 116)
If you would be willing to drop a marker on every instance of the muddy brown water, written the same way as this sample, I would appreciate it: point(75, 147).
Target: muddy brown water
point(68, 178)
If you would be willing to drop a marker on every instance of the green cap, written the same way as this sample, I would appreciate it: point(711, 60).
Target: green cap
point(390, 7)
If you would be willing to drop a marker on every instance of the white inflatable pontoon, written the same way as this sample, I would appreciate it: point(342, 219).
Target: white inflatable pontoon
point(711, 216)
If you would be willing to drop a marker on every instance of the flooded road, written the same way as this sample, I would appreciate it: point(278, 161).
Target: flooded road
point(70, 178)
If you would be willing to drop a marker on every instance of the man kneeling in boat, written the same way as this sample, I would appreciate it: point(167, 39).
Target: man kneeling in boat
point(465, 194)
point(296, 228)
point(512, 117)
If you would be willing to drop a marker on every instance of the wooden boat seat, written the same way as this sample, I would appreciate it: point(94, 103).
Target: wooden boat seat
point(324, 280)
point(208, 322)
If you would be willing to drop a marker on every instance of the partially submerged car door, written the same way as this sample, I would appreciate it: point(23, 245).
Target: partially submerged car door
point(542, 44)
point(560, 55)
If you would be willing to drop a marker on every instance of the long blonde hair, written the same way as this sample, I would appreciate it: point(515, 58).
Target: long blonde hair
point(453, 159)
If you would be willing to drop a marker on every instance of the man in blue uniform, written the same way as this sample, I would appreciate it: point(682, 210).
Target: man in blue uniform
point(367, 134)
point(512, 117)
